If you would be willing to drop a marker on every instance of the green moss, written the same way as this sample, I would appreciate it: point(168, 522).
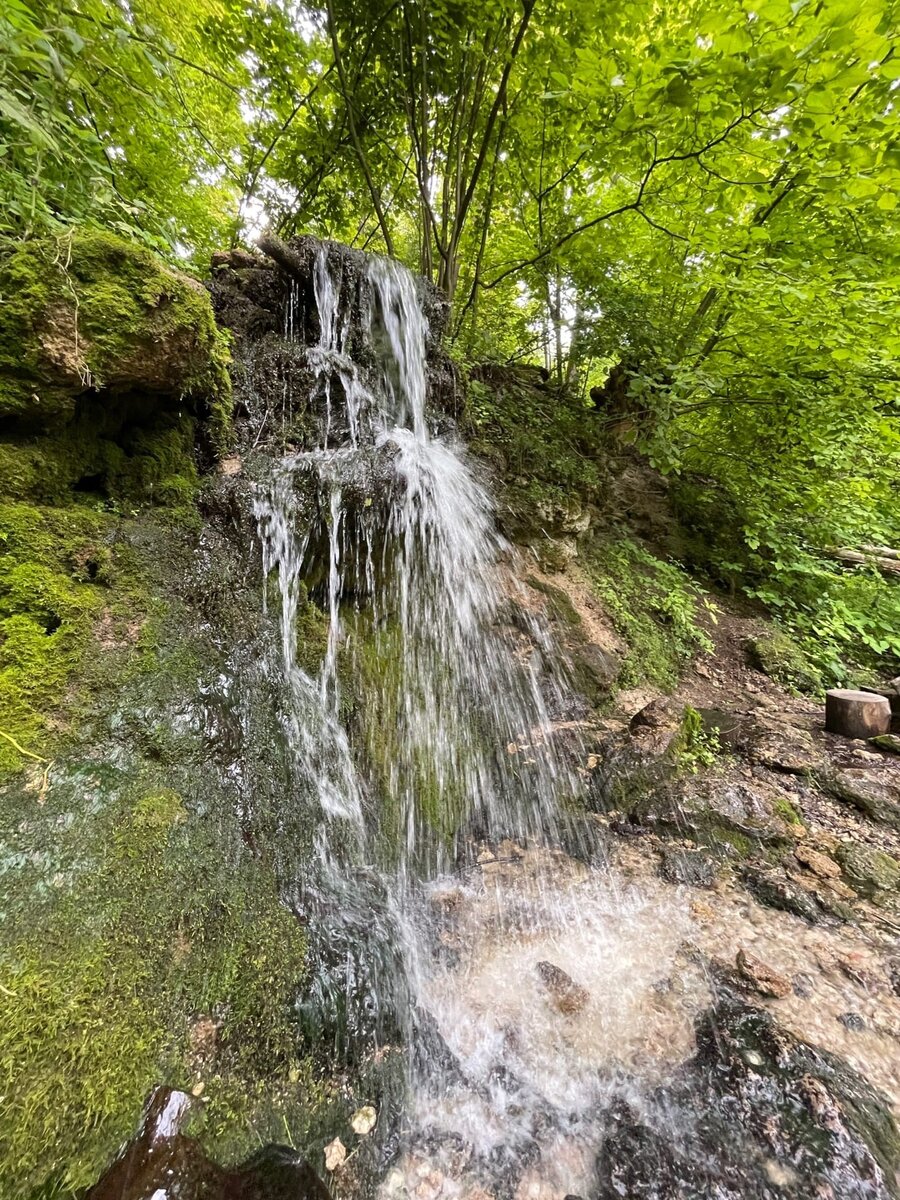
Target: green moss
point(712, 833)
point(654, 606)
point(560, 605)
point(782, 659)
point(312, 633)
point(542, 443)
point(102, 985)
point(786, 810)
point(52, 570)
point(90, 309)
point(373, 670)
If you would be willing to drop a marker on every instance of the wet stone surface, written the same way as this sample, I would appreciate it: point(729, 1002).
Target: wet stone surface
point(754, 1115)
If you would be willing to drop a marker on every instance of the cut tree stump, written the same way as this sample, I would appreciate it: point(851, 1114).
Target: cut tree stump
point(857, 714)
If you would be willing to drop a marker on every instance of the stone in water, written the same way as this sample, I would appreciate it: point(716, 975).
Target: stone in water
point(565, 994)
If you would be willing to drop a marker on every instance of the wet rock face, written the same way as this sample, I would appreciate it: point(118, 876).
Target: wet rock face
point(755, 1115)
point(872, 793)
point(268, 302)
point(162, 1163)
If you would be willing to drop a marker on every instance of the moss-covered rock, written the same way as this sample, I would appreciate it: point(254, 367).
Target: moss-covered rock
point(777, 655)
point(869, 872)
point(110, 368)
point(107, 983)
point(90, 311)
point(654, 605)
point(588, 669)
point(53, 576)
point(544, 447)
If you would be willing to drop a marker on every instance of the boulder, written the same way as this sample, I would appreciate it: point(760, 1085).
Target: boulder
point(857, 714)
point(782, 659)
point(889, 742)
point(783, 746)
point(161, 1153)
point(820, 864)
point(756, 1115)
point(107, 314)
point(775, 890)
point(662, 713)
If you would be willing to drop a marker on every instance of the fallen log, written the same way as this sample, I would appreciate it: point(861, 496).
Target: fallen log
point(857, 558)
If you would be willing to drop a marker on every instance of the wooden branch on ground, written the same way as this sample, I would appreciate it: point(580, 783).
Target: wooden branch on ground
point(887, 562)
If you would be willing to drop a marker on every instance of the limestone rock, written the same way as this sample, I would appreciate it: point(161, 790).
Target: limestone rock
point(761, 977)
point(756, 1111)
point(820, 864)
point(691, 867)
point(785, 747)
point(777, 891)
point(662, 713)
point(871, 791)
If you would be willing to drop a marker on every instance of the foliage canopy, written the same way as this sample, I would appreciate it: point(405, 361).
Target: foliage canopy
point(690, 208)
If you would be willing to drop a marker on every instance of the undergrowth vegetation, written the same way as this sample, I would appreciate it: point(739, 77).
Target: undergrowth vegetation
point(540, 440)
point(846, 618)
point(660, 611)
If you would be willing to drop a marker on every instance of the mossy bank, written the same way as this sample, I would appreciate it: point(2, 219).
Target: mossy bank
point(146, 935)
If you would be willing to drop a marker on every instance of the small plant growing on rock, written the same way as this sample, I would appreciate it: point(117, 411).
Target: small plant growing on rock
point(695, 746)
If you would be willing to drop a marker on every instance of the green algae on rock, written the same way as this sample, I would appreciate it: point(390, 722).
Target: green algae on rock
point(148, 930)
point(111, 371)
point(784, 660)
point(53, 565)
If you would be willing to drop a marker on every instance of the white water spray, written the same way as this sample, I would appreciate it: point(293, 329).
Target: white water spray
point(456, 746)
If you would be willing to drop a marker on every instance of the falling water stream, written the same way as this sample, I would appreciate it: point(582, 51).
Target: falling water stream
point(444, 900)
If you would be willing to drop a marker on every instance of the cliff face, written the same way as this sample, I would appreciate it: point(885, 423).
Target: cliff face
point(145, 935)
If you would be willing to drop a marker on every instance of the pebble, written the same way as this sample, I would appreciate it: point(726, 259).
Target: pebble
point(852, 1020)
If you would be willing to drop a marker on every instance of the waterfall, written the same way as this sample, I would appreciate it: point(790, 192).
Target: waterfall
point(438, 884)
point(408, 533)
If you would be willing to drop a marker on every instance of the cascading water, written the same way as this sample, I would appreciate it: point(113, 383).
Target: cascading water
point(438, 889)
point(408, 534)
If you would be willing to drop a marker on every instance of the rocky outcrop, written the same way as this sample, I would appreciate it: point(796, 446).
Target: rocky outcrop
point(267, 301)
point(755, 1115)
point(161, 1153)
point(112, 373)
point(91, 313)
